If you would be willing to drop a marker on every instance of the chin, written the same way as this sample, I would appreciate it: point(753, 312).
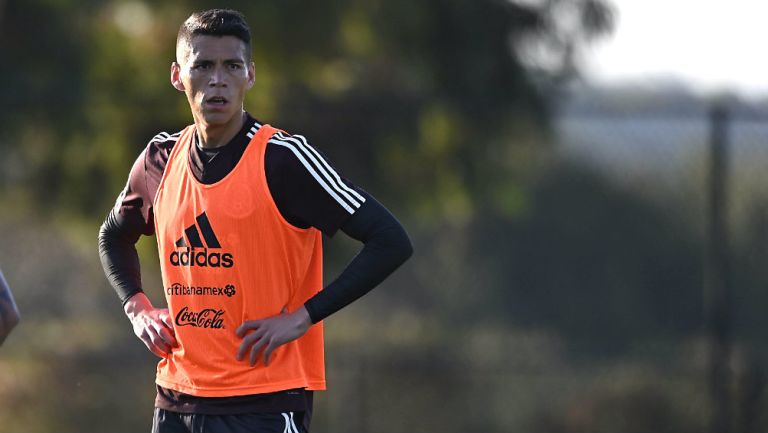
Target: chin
point(218, 118)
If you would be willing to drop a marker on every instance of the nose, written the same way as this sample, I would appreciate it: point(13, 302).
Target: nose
point(218, 77)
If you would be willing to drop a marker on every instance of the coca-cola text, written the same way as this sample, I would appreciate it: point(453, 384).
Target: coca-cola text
point(208, 318)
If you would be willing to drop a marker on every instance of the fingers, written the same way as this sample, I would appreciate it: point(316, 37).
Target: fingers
point(155, 350)
point(248, 341)
point(266, 334)
point(246, 326)
point(255, 350)
point(166, 318)
point(165, 329)
point(268, 351)
point(166, 336)
point(254, 343)
point(156, 331)
point(155, 343)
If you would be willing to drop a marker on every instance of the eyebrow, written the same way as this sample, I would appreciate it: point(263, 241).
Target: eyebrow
point(197, 61)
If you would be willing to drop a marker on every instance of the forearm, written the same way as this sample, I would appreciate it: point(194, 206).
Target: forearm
point(119, 258)
point(386, 247)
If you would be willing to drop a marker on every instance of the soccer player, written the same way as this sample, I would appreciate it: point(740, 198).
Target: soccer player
point(9, 313)
point(238, 208)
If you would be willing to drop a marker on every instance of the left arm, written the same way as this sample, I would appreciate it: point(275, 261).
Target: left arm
point(9, 313)
point(386, 246)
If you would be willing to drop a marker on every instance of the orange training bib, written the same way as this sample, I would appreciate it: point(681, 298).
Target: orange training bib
point(228, 256)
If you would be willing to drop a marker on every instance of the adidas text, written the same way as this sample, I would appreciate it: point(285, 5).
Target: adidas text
point(201, 258)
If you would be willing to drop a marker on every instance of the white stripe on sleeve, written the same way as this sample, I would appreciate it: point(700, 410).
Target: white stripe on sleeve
point(253, 130)
point(323, 167)
point(164, 136)
point(310, 168)
point(330, 169)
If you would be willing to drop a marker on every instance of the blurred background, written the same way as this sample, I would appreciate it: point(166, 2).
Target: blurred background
point(583, 181)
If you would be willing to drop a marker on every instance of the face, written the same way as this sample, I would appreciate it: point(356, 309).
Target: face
point(214, 73)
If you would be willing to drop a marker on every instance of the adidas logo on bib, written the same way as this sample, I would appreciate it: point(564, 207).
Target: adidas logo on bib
point(188, 252)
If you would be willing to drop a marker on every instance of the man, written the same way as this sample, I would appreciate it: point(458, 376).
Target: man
point(238, 208)
point(9, 313)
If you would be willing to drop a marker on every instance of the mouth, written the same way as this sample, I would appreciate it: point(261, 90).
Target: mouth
point(216, 101)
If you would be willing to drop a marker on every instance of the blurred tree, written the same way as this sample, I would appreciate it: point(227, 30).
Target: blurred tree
point(440, 107)
point(597, 263)
point(421, 98)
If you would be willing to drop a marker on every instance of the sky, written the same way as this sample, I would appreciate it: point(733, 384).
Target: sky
point(711, 45)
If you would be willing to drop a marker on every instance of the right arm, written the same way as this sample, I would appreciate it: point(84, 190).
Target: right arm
point(9, 313)
point(127, 221)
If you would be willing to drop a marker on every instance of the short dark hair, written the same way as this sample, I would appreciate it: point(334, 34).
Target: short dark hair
point(215, 22)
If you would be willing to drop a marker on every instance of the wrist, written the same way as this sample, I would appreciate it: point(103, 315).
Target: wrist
point(303, 320)
point(312, 310)
point(137, 304)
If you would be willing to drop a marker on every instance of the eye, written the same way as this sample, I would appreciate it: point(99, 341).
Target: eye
point(235, 66)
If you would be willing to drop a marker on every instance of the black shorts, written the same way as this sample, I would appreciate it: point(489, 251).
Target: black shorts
point(166, 421)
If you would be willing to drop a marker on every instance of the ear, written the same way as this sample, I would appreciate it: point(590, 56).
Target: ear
point(176, 77)
point(251, 74)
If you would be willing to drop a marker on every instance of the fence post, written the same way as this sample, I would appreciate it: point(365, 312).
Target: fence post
point(717, 278)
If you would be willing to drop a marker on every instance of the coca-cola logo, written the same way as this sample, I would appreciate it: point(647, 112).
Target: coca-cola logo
point(208, 318)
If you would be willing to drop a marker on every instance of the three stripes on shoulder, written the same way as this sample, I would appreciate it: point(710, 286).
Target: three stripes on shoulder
point(315, 164)
point(164, 136)
point(319, 168)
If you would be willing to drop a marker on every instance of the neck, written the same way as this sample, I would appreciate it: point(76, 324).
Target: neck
point(213, 136)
